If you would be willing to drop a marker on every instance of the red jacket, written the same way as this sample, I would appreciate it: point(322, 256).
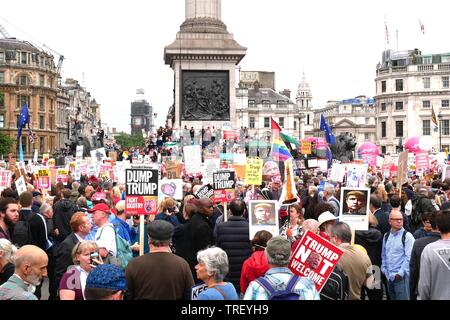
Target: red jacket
point(253, 268)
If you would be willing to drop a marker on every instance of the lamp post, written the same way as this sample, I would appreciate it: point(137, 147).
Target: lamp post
point(440, 131)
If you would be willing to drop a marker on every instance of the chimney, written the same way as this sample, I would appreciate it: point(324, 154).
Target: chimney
point(286, 92)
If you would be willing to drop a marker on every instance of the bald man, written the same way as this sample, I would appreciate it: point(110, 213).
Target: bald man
point(30, 267)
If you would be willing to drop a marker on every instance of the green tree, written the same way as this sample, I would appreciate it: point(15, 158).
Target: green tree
point(6, 144)
point(126, 140)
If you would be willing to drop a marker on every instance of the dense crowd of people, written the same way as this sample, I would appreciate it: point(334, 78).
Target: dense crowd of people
point(77, 235)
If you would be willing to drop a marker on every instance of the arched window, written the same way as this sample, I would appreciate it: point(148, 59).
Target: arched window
point(22, 80)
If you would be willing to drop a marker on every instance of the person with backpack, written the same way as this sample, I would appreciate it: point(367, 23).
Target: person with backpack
point(279, 283)
point(105, 236)
point(420, 204)
point(395, 257)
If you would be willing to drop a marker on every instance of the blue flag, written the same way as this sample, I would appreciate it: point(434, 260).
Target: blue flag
point(324, 126)
point(24, 119)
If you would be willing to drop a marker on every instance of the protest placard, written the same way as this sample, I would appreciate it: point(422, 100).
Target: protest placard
point(210, 166)
point(171, 188)
point(44, 182)
point(354, 208)
point(312, 163)
point(253, 171)
point(207, 191)
point(356, 175)
point(98, 155)
point(402, 168)
point(141, 188)
point(239, 158)
point(306, 147)
point(223, 183)
point(5, 179)
point(315, 258)
point(323, 164)
point(197, 289)
point(62, 175)
point(263, 215)
point(422, 160)
point(21, 186)
point(192, 159)
point(79, 153)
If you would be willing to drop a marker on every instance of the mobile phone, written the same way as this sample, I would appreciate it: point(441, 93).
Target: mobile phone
point(94, 255)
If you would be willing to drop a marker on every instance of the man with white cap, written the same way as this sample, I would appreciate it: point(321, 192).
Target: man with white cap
point(326, 222)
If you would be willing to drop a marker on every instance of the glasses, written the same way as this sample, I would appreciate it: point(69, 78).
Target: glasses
point(398, 220)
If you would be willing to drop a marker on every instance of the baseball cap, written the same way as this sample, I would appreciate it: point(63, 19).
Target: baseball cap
point(160, 230)
point(100, 207)
point(107, 276)
point(36, 193)
point(98, 196)
point(326, 216)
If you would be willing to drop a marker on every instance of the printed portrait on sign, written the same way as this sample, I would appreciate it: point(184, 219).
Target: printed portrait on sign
point(313, 261)
point(263, 213)
point(150, 205)
point(355, 202)
point(169, 189)
point(271, 171)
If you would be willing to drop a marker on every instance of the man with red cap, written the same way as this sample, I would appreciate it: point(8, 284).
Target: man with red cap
point(106, 235)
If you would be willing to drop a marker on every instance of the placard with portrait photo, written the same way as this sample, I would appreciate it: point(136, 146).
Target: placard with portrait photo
point(355, 207)
point(263, 215)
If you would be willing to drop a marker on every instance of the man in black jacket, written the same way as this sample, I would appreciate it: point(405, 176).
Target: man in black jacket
point(382, 217)
point(63, 211)
point(416, 253)
point(37, 229)
point(81, 227)
point(233, 237)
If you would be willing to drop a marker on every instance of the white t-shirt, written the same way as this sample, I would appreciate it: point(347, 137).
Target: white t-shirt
point(107, 239)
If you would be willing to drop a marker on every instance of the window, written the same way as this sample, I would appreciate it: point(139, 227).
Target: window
point(22, 80)
point(22, 100)
point(41, 80)
point(308, 119)
point(2, 99)
point(445, 82)
point(399, 105)
point(367, 120)
point(41, 144)
point(2, 120)
point(426, 128)
point(427, 60)
point(426, 83)
point(51, 121)
point(426, 104)
point(251, 103)
point(23, 58)
point(266, 104)
point(50, 82)
point(445, 103)
point(383, 149)
point(366, 136)
point(281, 121)
point(51, 105)
point(445, 127)
point(41, 122)
point(42, 104)
point(2, 57)
point(266, 122)
point(383, 107)
point(295, 125)
point(383, 86)
point(399, 129)
point(399, 85)
point(2, 77)
point(383, 129)
point(251, 124)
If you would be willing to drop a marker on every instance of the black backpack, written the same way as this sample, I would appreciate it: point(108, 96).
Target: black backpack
point(386, 236)
point(22, 231)
point(336, 287)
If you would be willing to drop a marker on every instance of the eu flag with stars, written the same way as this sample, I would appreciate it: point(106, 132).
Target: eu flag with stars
point(24, 119)
point(324, 126)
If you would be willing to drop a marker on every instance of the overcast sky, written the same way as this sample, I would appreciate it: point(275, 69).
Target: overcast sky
point(119, 45)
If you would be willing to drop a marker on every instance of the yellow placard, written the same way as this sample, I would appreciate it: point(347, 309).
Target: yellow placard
point(253, 172)
point(306, 147)
point(43, 173)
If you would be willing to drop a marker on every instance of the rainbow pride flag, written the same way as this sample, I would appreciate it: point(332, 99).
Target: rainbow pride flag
point(279, 150)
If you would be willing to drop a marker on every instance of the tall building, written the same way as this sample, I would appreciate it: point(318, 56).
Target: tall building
point(141, 115)
point(352, 116)
point(28, 76)
point(409, 84)
point(304, 102)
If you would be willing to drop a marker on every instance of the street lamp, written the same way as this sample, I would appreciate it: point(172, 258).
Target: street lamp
point(440, 131)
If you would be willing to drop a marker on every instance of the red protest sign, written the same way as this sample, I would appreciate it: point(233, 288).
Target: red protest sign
point(315, 258)
point(44, 182)
point(5, 179)
point(141, 205)
point(422, 160)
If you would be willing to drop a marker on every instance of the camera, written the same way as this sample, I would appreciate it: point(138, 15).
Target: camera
point(94, 255)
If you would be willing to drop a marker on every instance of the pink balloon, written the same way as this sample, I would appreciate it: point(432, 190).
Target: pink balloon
point(369, 152)
point(412, 145)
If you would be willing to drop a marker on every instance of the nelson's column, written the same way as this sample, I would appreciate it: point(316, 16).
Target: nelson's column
point(203, 57)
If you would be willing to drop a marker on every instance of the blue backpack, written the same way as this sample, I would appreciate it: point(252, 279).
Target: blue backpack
point(286, 294)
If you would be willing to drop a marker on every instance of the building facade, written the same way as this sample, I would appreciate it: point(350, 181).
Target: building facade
point(62, 117)
point(141, 115)
point(255, 107)
point(354, 116)
point(28, 76)
point(304, 102)
point(409, 85)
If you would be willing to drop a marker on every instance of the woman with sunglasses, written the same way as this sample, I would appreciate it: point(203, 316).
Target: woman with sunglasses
point(85, 257)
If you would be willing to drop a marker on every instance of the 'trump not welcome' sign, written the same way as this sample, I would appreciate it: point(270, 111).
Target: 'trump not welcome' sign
point(141, 191)
point(315, 258)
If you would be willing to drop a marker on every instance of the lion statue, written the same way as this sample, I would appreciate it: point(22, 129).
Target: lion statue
point(343, 147)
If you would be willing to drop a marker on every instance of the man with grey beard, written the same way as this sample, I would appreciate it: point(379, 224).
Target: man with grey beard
point(30, 267)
